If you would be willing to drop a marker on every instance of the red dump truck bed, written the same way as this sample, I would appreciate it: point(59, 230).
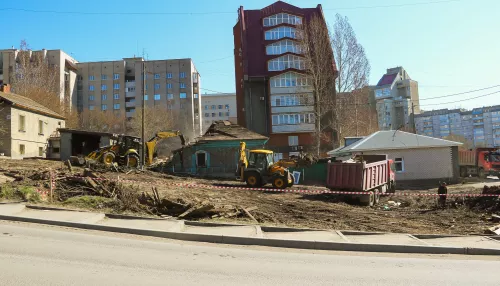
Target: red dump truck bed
point(467, 158)
point(358, 176)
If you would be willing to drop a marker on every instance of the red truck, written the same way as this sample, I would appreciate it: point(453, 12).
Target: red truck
point(479, 162)
point(371, 174)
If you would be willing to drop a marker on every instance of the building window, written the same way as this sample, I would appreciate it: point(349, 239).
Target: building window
point(226, 106)
point(116, 86)
point(104, 77)
point(183, 106)
point(157, 97)
point(91, 98)
point(170, 96)
point(40, 127)
point(293, 119)
point(91, 107)
point(220, 106)
point(182, 85)
point(145, 97)
point(40, 151)
point(104, 87)
point(157, 86)
point(91, 77)
point(207, 114)
point(116, 106)
point(182, 95)
point(169, 85)
point(22, 123)
point(104, 97)
point(286, 62)
point(282, 18)
point(280, 32)
point(293, 140)
point(399, 164)
point(206, 107)
point(116, 76)
point(220, 114)
point(157, 76)
point(227, 113)
point(278, 156)
point(22, 149)
point(213, 106)
point(116, 96)
point(201, 159)
point(169, 75)
point(170, 106)
point(104, 107)
point(284, 46)
point(91, 87)
point(213, 114)
point(182, 75)
point(291, 100)
point(288, 79)
point(195, 95)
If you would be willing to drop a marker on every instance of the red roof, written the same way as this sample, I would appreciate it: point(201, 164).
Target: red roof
point(387, 79)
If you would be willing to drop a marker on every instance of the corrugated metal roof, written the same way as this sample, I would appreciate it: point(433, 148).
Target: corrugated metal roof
point(29, 104)
point(393, 140)
point(225, 130)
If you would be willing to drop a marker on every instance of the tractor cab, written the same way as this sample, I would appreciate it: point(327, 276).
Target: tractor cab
point(261, 160)
point(127, 143)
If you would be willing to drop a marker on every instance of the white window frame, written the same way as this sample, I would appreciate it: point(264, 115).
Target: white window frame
point(116, 106)
point(182, 85)
point(104, 77)
point(283, 46)
point(116, 86)
point(157, 97)
point(206, 157)
point(104, 87)
point(116, 76)
point(104, 107)
point(40, 127)
point(91, 107)
point(116, 96)
point(91, 98)
point(182, 95)
point(104, 97)
point(293, 140)
point(195, 95)
point(157, 76)
point(170, 96)
point(169, 75)
point(286, 62)
point(169, 86)
point(182, 75)
point(289, 79)
point(91, 78)
point(157, 86)
point(402, 162)
point(281, 18)
point(280, 33)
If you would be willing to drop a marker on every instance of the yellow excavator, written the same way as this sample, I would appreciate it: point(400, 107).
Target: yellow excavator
point(125, 152)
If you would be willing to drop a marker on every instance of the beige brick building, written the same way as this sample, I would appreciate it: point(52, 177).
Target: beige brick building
point(218, 106)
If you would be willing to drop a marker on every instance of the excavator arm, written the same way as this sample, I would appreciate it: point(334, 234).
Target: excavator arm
point(242, 162)
point(151, 144)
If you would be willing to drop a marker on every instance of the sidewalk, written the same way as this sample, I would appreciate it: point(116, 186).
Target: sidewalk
point(256, 235)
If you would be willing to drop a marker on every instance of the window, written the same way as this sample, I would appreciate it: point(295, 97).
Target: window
point(278, 156)
point(22, 123)
point(213, 114)
point(116, 86)
point(169, 75)
point(116, 76)
point(282, 18)
point(227, 113)
point(226, 106)
point(104, 97)
point(145, 97)
point(91, 107)
point(220, 106)
point(286, 62)
point(284, 46)
point(91, 98)
point(183, 105)
point(195, 95)
point(157, 97)
point(182, 75)
point(40, 127)
point(291, 100)
point(182, 85)
point(220, 114)
point(104, 77)
point(399, 164)
point(207, 114)
point(55, 150)
point(293, 140)
point(170, 106)
point(201, 159)
point(91, 77)
point(170, 96)
point(104, 87)
point(91, 87)
point(169, 85)
point(288, 79)
point(104, 107)
point(116, 96)
point(279, 33)
point(157, 86)
point(213, 106)
point(182, 95)
point(116, 106)
point(157, 76)
point(287, 119)
point(40, 151)
point(21, 149)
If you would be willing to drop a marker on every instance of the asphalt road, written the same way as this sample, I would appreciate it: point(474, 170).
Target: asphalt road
point(42, 255)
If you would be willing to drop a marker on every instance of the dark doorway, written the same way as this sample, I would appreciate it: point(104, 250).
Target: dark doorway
point(201, 160)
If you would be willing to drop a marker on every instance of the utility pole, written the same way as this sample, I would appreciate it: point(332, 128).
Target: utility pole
point(413, 118)
point(143, 157)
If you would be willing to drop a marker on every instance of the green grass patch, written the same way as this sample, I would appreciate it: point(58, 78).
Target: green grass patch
point(26, 193)
point(92, 202)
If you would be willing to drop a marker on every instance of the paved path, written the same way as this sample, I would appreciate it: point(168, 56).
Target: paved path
point(42, 255)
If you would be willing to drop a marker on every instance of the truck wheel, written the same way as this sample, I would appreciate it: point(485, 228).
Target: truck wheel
point(376, 199)
point(463, 172)
point(481, 173)
point(280, 182)
point(133, 161)
point(368, 199)
point(253, 180)
point(392, 187)
point(108, 158)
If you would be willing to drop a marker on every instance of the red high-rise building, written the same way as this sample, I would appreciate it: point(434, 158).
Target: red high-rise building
point(273, 96)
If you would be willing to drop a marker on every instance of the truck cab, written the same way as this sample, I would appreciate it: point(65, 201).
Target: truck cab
point(489, 162)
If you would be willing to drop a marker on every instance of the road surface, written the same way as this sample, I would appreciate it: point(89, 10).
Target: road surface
point(42, 255)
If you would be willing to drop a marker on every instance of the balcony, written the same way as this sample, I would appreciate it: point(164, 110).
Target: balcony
point(130, 104)
point(130, 94)
point(129, 114)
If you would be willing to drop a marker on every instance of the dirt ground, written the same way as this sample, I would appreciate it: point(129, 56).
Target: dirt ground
point(416, 214)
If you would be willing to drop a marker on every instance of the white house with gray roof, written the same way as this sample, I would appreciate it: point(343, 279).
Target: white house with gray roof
point(416, 157)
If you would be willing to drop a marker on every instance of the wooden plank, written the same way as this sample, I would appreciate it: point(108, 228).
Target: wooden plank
point(495, 229)
point(250, 215)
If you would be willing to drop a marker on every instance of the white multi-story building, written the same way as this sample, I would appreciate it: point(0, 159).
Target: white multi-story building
point(218, 106)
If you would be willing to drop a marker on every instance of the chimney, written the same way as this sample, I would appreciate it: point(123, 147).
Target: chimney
point(5, 88)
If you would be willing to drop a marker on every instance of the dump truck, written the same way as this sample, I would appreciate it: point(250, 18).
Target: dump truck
point(481, 162)
point(372, 175)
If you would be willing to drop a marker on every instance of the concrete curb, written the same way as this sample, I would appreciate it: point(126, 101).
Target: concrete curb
point(318, 245)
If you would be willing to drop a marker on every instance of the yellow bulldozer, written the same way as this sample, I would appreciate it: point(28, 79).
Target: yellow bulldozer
point(125, 152)
point(260, 169)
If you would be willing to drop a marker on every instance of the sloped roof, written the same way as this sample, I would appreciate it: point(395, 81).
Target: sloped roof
point(387, 79)
point(225, 130)
point(394, 140)
point(28, 104)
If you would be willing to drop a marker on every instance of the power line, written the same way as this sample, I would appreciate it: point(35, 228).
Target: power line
point(460, 93)
point(460, 100)
point(394, 5)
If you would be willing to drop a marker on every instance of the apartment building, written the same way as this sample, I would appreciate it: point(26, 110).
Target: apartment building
point(64, 64)
point(273, 97)
point(479, 126)
point(394, 95)
point(117, 86)
point(217, 107)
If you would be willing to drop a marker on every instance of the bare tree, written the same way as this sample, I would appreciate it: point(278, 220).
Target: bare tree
point(102, 121)
point(467, 144)
point(156, 119)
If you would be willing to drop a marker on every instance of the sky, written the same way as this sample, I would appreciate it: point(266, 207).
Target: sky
point(447, 46)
